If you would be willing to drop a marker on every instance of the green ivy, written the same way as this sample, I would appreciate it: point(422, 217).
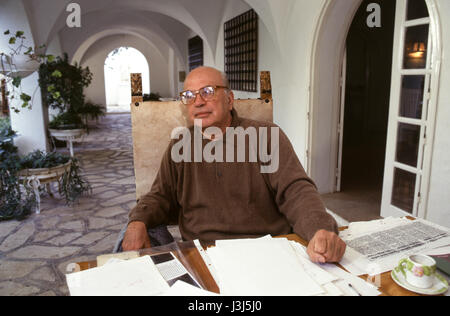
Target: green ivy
point(14, 202)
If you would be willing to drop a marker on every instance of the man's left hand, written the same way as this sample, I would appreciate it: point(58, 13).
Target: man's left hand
point(326, 246)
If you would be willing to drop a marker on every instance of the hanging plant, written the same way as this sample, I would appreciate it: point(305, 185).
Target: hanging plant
point(16, 64)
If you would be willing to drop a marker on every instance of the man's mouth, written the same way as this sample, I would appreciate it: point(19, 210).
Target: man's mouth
point(202, 114)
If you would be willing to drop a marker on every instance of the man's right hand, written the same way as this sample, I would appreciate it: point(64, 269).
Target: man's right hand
point(136, 237)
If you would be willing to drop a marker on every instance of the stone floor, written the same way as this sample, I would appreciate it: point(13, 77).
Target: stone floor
point(35, 253)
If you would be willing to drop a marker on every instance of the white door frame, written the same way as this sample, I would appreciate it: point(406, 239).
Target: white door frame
point(343, 83)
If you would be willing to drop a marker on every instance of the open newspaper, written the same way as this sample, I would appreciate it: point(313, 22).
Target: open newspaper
point(376, 247)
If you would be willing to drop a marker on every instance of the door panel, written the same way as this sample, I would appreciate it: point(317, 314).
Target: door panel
point(412, 112)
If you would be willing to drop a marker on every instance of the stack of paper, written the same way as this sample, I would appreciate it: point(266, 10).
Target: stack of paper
point(276, 267)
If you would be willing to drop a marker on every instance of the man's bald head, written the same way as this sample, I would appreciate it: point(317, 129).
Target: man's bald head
point(207, 73)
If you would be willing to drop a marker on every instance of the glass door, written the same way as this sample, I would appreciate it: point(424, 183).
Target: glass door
point(411, 118)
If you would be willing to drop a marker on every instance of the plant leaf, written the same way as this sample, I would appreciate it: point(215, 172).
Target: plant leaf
point(12, 40)
point(17, 81)
point(25, 97)
point(57, 74)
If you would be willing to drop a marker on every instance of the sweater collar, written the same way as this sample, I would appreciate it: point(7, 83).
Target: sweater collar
point(235, 118)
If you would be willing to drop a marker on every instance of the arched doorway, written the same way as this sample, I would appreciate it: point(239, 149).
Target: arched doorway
point(364, 113)
point(325, 116)
point(119, 64)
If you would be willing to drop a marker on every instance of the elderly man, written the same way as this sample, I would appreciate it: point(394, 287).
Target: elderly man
point(223, 200)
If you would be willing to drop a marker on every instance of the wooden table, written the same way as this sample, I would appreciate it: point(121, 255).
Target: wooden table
point(196, 266)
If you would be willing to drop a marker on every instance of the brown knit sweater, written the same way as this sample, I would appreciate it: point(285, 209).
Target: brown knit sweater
point(224, 200)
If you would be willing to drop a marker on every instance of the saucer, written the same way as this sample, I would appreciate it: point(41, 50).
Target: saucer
point(440, 284)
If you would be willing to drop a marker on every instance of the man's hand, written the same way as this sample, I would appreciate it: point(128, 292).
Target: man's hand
point(326, 246)
point(136, 237)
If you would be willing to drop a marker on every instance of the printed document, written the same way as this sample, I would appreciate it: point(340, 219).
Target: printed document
point(376, 247)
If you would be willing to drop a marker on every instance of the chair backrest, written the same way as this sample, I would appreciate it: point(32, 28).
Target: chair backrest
point(152, 125)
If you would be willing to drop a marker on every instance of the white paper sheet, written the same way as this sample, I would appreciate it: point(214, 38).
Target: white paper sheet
point(136, 277)
point(320, 275)
point(265, 267)
point(181, 288)
point(362, 287)
point(333, 279)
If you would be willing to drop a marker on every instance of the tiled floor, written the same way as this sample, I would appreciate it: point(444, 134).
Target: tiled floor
point(355, 205)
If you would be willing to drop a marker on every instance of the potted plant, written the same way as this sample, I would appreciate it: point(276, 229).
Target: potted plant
point(54, 166)
point(66, 126)
point(91, 111)
point(62, 87)
point(151, 97)
point(21, 177)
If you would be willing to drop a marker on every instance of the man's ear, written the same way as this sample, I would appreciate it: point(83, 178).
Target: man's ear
point(230, 99)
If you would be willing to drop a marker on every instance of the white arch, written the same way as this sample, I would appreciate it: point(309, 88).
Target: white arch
point(128, 23)
point(91, 40)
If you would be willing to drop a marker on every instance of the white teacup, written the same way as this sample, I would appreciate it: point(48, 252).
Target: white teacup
point(419, 270)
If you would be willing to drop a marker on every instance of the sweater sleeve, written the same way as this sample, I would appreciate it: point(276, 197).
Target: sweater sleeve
point(296, 194)
point(159, 206)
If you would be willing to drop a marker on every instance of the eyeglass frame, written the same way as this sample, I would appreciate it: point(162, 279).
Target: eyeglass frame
point(197, 92)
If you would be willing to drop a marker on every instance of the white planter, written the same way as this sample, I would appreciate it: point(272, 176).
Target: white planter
point(45, 175)
point(18, 66)
point(66, 134)
point(34, 178)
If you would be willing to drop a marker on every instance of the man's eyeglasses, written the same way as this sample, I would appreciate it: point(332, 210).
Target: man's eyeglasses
point(207, 93)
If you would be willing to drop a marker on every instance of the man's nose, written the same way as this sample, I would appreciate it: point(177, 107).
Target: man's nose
point(199, 101)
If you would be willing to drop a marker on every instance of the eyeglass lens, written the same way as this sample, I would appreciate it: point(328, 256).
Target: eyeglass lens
point(206, 93)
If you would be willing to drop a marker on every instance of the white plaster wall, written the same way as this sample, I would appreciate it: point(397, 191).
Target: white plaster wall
point(295, 23)
point(29, 124)
point(97, 53)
